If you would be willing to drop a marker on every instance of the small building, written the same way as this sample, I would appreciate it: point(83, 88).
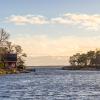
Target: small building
point(10, 60)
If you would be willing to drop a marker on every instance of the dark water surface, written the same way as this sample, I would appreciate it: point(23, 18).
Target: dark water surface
point(51, 84)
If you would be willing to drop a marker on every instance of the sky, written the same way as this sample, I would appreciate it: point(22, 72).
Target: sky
point(52, 27)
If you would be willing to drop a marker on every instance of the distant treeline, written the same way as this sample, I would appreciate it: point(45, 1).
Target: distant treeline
point(89, 60)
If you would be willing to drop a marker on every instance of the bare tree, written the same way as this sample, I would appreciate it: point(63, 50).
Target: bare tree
point(3, 36)
point(3, 41)
point(17, 49)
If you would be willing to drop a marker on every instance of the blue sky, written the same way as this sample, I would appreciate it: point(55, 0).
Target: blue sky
point(47, 8)
point(54, 27)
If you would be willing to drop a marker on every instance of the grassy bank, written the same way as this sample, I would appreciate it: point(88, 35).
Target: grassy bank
point(8, 71)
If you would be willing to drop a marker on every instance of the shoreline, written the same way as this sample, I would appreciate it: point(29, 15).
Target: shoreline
point(90, 68)
point(65, 67)
point(33, 69)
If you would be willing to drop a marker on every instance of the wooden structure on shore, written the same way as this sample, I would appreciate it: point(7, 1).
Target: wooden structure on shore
point(10, 60)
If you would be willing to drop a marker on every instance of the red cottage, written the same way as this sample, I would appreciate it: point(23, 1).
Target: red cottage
point(10, 60)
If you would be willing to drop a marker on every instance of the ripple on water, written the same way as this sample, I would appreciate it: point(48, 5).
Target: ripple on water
point(51, 85)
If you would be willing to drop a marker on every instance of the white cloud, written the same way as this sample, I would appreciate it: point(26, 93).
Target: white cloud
point(80, 20)
point(84, 20)
point(62, 46)
point(37, 46)
point(28, 19)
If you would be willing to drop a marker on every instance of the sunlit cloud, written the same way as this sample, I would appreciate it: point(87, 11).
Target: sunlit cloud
point(82, 20)
point(40, 48)
point(28, 19)
point(86, 21)
point(62, 46)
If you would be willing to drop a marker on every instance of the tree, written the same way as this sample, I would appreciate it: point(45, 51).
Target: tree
point(9, 47)
point(74, 60)
point(78, 59)
point(3, 36)
point(20, 55)
point(82, 59)
point(97, 58)
point(90, 58)
point(91, 55)
point(6, 46)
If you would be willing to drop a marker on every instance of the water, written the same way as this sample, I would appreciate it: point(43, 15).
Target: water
point(51, 84)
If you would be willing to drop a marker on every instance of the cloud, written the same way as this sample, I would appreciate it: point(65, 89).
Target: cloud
point(41, 45)
point(62, 46)
point(28, 19)
point(86, 21)
point(83, 20)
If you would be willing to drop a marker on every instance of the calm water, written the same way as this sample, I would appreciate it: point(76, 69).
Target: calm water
point(49, 84)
